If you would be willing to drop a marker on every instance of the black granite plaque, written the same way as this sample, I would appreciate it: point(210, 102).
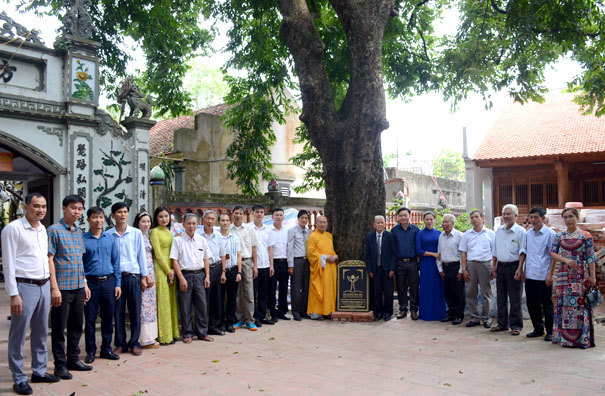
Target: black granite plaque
point(352, 287)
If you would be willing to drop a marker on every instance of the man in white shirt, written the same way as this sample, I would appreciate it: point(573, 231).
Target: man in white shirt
point(450, 270)
point(233, 267)
point(278, 255)
point(189, 254)
point(476, 247)
point(26, 275)
point(539, 241)
point(244, 310)
point(508, 258)
point(217, 272)
point(265, 267)
point(298, 265)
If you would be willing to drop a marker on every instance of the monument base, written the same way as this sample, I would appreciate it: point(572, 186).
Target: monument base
point(353, 316)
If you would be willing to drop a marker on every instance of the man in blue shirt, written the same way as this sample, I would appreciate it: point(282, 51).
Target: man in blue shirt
point(102, 270)
point(406, 273)
point(133, 264)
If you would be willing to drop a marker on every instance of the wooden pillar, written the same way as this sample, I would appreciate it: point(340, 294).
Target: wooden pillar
point(564, 186)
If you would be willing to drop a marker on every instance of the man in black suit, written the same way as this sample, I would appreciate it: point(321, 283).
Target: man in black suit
point(381, 259)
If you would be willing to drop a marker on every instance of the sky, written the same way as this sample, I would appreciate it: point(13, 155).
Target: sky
point(424, 125)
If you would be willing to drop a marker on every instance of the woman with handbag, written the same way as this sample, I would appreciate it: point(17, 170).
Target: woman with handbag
point(574, 251)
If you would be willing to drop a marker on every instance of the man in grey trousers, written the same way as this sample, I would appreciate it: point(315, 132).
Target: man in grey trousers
point(298, 265)
point(189, 254)
point(26, 272)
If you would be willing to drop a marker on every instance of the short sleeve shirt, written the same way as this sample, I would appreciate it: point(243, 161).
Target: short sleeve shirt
point(66, 244)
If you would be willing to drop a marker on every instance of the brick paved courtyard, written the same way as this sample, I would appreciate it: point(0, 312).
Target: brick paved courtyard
point(331, 358)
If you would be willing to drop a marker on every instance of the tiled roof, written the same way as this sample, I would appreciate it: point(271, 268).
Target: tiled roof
point(555, 127)
point(161, 136)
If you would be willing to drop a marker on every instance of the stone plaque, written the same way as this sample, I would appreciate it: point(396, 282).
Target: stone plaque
point(352, 287)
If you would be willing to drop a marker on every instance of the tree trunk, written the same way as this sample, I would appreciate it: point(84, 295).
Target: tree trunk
point(347, 139)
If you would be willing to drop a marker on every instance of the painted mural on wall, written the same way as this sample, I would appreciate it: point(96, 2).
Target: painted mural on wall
point(83, 72)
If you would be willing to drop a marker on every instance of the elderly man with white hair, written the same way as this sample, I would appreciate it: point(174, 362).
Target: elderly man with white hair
point(450, 270)
point(507, 267)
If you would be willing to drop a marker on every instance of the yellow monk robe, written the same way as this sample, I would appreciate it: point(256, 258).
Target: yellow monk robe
point(322, 281)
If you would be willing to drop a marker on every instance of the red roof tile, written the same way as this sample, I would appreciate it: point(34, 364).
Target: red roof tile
point(161, 136)
point(555, 127)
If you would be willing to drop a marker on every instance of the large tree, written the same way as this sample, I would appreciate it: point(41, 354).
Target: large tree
point(341, 55)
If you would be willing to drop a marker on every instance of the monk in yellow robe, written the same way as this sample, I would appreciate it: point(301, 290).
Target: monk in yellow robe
point(322, 264)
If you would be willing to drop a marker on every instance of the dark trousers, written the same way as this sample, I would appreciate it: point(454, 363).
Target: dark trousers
point(261, 291)
point(213, 298)
point(102, 298)
point(509, 288)
point(229, 295)
point(539, 300)
point(300, 286)
point(407, 277)
point(131, 297)
point(69, 315)
point(196, 295)
point(279, 283)
point(453, 290)
point(383, 293)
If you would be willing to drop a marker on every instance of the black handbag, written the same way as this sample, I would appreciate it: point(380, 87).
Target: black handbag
point(593, 297)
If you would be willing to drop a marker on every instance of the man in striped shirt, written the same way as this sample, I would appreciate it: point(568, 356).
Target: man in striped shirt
point(233, 272)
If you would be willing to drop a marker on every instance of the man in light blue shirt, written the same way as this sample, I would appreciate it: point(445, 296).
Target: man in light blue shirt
point(476, 247)
point(537, 265)
point(217, 272)
point(508, 258)
point(133, 264)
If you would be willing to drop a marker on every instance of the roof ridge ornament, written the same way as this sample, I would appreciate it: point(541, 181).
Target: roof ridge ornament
point(12, 30)
point(76, 20)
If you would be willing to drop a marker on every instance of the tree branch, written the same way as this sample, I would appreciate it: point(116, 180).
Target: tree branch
point(497, 8)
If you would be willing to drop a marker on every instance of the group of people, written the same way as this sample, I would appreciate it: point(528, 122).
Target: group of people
point(234, 277)
point(431, 268)
point(238, 277)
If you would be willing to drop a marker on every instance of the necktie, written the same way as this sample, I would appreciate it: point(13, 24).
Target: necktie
point(379, 243)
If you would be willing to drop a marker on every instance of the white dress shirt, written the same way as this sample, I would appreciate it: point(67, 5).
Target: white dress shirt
point(278, 240)
point(509, 243)
point(190, 252)
point(24, 253)
point(448, 248)
point(262, 245)
point(538, 259)
point(247, 238)
point(477, 245)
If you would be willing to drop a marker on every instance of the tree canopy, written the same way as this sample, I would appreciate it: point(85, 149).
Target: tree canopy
point(449, 165)
point(342, 56)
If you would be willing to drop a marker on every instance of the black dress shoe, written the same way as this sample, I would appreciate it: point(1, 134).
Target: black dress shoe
point(78, 366)
point(472, 323)
point(63, 373)
point(216, 332)
point(230, 329)
point(47, 378)
point(488, 324)
point(548, 337)
point(109, 355)
point(257, 323)
point(447, 319)
point(90, 357)
point(23, 388)
point(297, 317)
point(534, 334)
point(267, 321)
point(377, 317)
point(387, 317)
point(414, 315)
point(402, 314)
point(283, 317)
point(457, 321)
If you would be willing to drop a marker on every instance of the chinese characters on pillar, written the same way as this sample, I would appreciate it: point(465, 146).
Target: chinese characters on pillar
point(81, 171)
point(142, 179)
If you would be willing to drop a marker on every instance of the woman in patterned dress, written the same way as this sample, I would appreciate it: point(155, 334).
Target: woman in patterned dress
point(161, 241)
point(149, 309)
point(574, 251)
